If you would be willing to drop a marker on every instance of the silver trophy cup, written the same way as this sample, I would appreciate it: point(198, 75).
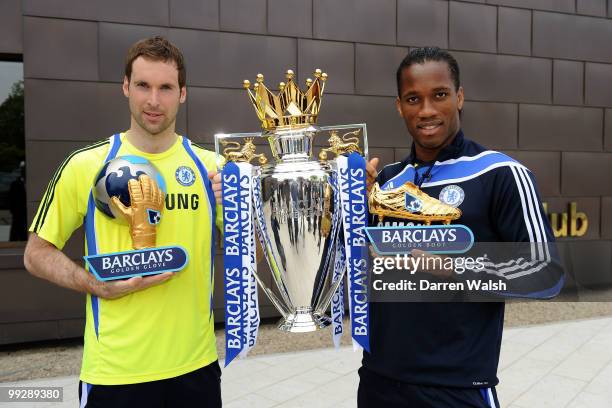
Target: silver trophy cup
point(297, 221)
point(295, 201)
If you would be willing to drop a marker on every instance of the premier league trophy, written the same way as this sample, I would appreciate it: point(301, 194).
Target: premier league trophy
point(309, 216)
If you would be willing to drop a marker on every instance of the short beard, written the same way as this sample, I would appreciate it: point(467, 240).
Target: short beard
point(153, 133)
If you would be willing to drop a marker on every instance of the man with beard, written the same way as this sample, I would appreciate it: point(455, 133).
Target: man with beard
point(149, 341)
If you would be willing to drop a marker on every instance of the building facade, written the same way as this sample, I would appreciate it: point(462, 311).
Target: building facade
point(537, 76)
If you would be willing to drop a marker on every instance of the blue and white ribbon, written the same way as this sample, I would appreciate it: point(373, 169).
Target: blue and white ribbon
point(337, 303)
point(252, 303)
point(352, 187)
point(241, 309)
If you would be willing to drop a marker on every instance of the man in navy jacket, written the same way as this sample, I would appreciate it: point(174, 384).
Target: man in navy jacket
point(446, 354)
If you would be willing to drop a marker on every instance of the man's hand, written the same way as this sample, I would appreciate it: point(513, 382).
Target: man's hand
point(44, 260)
point(119, 288)
point(215, 178)
point(372, 173)
point(147, 204)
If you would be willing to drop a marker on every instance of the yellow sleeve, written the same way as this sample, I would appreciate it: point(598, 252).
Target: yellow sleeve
point(61, 210)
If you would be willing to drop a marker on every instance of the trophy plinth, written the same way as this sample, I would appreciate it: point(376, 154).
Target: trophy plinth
point(304, 320)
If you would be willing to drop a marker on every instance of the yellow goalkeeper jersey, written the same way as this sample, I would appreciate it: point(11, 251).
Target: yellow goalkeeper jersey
point(163, 331)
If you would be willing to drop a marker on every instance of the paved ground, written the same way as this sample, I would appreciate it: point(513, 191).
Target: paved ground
point(63, 358)
point(566, 364)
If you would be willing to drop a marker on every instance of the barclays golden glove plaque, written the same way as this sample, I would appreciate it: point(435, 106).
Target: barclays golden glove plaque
point(129, 189)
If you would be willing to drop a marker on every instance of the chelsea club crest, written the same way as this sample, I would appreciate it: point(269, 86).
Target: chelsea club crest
point(185, 176)
point(452, 195)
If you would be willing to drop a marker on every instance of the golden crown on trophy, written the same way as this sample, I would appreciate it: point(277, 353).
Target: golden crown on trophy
point(291, 107)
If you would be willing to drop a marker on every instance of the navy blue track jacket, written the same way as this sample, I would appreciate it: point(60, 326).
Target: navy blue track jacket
point(458, 344)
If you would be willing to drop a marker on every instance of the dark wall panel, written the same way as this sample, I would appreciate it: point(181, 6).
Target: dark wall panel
point(568, 85)
point(591, 7)
point(566, 6)
point(334, 58)
point(152, 12)
point(606, 217)
point(544, 127)
point(546, 167)
point(66, 110)
point(588, 38)
point(385, 127)
point(583, 172)
point(203, 14)
point(595, 76)
point(18, 283)
point(79, 111)
point(290, 17)
point(494, 125)
point(74, 111)
point(248, 16)
point(375, 67)
point(70, 9)
point(505, 78)
point(472, 27)
point(49, 49)
point(353, 20)
point(213, 111)
point(590, 263)
point(115, 41)
point(225, 59)
point(11, 31)
point(608, 130)
point(514, 31)
point(422, 23)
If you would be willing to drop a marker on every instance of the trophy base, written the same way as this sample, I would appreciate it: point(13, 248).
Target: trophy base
point(303, 321)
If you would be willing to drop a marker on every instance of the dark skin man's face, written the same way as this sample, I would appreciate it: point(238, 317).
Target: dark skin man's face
point(429, 105)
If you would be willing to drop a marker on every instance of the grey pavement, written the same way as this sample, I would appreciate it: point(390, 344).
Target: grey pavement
point(566, 364)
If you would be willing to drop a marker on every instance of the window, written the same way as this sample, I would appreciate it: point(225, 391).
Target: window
point(13, 209)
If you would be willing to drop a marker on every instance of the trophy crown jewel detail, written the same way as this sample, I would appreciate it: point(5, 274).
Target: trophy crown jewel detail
point(291, 106)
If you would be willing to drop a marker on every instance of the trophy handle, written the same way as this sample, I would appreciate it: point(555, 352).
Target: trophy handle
point(237, 153)
point(326, 221)
point(344, 144)
point(277, 303)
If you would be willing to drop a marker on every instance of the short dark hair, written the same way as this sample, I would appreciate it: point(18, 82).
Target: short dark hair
point(157, 49)
point(424, 54)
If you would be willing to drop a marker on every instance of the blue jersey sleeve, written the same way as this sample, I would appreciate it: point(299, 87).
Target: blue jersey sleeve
point(526, 256)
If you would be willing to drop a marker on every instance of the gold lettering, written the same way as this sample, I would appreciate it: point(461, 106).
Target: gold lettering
point(575, 219)
point(559, 230)
point(572, 223)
